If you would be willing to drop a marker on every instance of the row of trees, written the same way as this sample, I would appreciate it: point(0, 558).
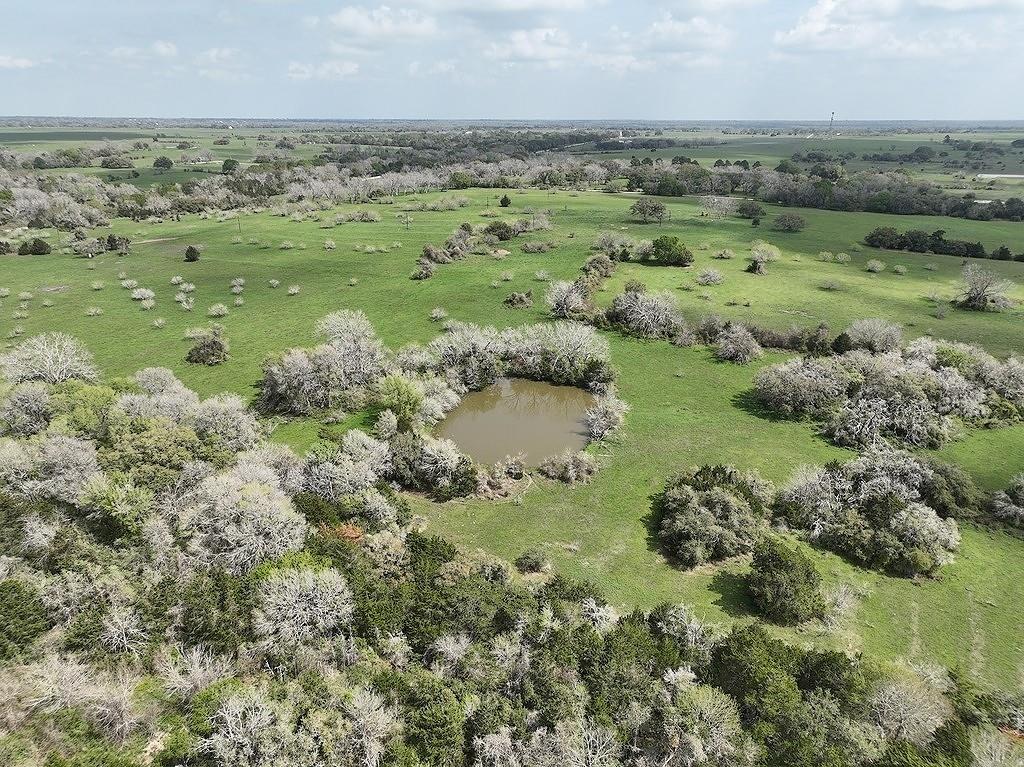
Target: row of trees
point(920, 241)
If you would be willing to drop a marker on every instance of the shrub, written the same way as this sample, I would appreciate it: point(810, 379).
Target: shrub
point(293, 290)
point(600, 266)
point(803, 387)
point(500, 229)
point(568, 300)
point(750, 209)
point(725, 254)
point(192, 253)
point(736, 344)
point(517, 300)
point(784, 583)
point(569, 467)
point(606, 416)
point(670, 251)
point(983, 290)
point(34, 247)
point(756, 266)
point(209, 347)
point(23, 616)
point(789, 222)
point(217, 310)
point(711, 513)
point(875, 335)
point(617, 246)
point(872, 510)
point(1008, 505)
point(505, 201)
point(710, 277)
point(424, 270)
point(437, 314)
point(875, 266)
point(532, 561)
point(647, 315)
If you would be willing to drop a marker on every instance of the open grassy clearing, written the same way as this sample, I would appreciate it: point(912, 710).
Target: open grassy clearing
point(687, 408)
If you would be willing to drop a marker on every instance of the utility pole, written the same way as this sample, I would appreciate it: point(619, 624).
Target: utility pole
point(831, 122)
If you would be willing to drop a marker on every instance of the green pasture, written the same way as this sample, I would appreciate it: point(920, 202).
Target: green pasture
point(686, 407)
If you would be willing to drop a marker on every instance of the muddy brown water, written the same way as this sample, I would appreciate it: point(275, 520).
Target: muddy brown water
point(518, 416)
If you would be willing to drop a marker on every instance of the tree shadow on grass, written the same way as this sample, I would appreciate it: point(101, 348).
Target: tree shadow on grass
point(733, 598)
point(748, 402)
point(652, 523)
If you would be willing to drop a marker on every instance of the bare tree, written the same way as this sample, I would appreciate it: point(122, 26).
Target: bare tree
point(983, 290)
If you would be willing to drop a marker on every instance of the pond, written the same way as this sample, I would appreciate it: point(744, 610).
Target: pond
point(518, 416)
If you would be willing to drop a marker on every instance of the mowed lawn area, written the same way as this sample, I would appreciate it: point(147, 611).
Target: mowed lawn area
point(687, 408)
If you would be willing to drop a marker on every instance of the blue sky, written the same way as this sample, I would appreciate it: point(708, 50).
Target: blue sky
point(682, 59)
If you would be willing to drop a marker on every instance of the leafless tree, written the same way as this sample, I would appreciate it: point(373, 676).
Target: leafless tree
point(983, 290)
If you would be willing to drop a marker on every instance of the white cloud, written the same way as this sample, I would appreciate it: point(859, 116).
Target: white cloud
point(671, 34)
point(124, 52)
point(506, 6)
point(217, 56)
point(880, 28)
point(333, 69)
point(547, 46)
point(164, 49)
point(383, 23)
point(15, 62)
point(444, 67)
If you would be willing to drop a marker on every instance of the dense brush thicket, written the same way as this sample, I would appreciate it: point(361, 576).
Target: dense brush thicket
point(175, 590)
point(914, 396)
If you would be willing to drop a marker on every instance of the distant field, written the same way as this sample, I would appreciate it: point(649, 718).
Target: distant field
point(686, 407)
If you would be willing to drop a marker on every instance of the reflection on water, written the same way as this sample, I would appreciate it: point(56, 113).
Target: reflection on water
point(518, 416)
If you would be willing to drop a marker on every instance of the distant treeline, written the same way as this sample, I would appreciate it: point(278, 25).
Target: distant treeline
point(655, 143)
point(920, 241)
point(868, 191)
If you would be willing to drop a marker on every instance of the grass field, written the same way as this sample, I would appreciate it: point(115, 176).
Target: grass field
point(686, 407)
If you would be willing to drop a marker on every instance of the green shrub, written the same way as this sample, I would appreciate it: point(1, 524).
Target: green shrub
point(670, 251)
point(784, 583)
point(22, 618)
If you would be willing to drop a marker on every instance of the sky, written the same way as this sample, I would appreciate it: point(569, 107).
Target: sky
point(504, 59)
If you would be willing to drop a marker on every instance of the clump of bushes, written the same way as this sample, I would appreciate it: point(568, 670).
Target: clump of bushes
point(532, 561)
point(911, 397)
point(1008, 505)
point(35, 247)
point(209, 346)
point(875, 510)
point(784, 584)
point(789, 222)
point(518, 300)
point(648, 315)
point(737, 344)
point(710, 277)
point(711, 513)
point(570, 467)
